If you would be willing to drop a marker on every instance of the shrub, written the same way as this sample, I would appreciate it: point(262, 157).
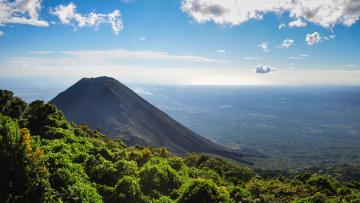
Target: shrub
point(164, 199)
point(322, 184)
point(202, 191)
point(105, 173)
point(128, 190)
point(159, 178)
point(240, 194)
point(11, 106)
point(83, 192)
point(126, 168)
point(11, 160)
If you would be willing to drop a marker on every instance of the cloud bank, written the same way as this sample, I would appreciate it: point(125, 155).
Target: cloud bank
point(67, 14)
point(326, 13)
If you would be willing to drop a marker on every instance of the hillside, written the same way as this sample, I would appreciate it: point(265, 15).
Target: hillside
point(106, 104)
point(45, 158)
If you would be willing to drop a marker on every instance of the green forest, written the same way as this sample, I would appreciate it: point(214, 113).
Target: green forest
point(45, 158)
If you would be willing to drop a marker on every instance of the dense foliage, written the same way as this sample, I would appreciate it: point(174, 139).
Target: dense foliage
point(45, 158)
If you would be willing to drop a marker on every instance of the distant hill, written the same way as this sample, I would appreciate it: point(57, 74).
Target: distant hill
point(106, 104)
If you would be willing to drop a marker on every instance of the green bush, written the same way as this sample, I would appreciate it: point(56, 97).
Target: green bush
point(164, 199)
point(126, 168)
point(105, 173)
point(317, 198)
point(206, 173)
point(322, 184)
point(159, 178)
point(11, 106)
point(82, 192)
point(9, 135)
point(240, 194)
point(202, 191)
point(128, 190)
point(11, 160)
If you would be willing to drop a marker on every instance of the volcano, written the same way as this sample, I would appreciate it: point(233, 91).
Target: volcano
point(106, 104)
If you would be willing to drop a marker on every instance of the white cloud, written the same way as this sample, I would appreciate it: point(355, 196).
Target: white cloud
point(1, 33)
point(128, 1)
point(297, 23)
point(326, 13)
point(41, 52)
point(287, 43)
point(330, 37)
point(260, 68)
point(301, 56)
point(221, 51)
point(145, 55)
point(142, 38)
point(67, 14)
point(104, 58)
point(264, 46)
point(252, 58)
point(141, 91)
point(21, 12)
point(282, 25)
point(351, 66)
point(313, 38)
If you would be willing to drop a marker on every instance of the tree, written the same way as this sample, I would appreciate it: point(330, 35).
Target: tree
point(126, 168)
point(12, 179)
point(128, 190)
point(322, 184)
point(46, 120)
point(159, 178)
point(240, 194)
point(38, 188)
point(202, 191)
point(105, 173)
point(11, 106)
point(164, 199)
point(83, 192)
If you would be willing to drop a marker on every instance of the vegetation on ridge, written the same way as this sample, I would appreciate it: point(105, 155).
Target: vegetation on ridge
point(45, 158)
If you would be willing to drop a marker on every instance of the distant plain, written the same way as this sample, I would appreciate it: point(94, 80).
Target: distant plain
point(290, 126)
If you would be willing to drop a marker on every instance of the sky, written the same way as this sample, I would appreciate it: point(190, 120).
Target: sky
point(199, 42)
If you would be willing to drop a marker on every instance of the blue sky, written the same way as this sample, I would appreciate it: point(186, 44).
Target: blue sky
point(182, 41)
